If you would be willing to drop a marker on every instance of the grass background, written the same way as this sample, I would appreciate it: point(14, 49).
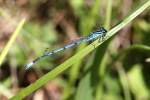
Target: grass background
point(117, 69)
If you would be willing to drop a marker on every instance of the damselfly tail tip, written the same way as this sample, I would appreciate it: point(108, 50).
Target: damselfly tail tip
point(28, 66)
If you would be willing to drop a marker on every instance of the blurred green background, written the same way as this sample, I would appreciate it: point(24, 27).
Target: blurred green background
point(119, 69)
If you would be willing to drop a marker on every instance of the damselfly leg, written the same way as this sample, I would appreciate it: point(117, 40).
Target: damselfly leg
point(99, 34)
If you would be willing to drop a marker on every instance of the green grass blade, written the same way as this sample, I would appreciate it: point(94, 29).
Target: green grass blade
point(10, 42)
point(137, 83)
point(103, 57)
point(123, 74)
point(108, 14)
point(88, 23)
point(59, 69)
point(124, 82)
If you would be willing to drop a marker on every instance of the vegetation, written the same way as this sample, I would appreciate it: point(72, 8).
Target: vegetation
point(114, 69)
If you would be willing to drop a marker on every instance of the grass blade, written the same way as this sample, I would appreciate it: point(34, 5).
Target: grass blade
point(52, 74)
point(10, 42)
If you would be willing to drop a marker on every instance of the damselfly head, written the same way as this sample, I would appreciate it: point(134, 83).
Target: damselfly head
point(101, 30)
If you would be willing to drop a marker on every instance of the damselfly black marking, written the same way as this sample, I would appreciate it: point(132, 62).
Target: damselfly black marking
point(91, 37)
